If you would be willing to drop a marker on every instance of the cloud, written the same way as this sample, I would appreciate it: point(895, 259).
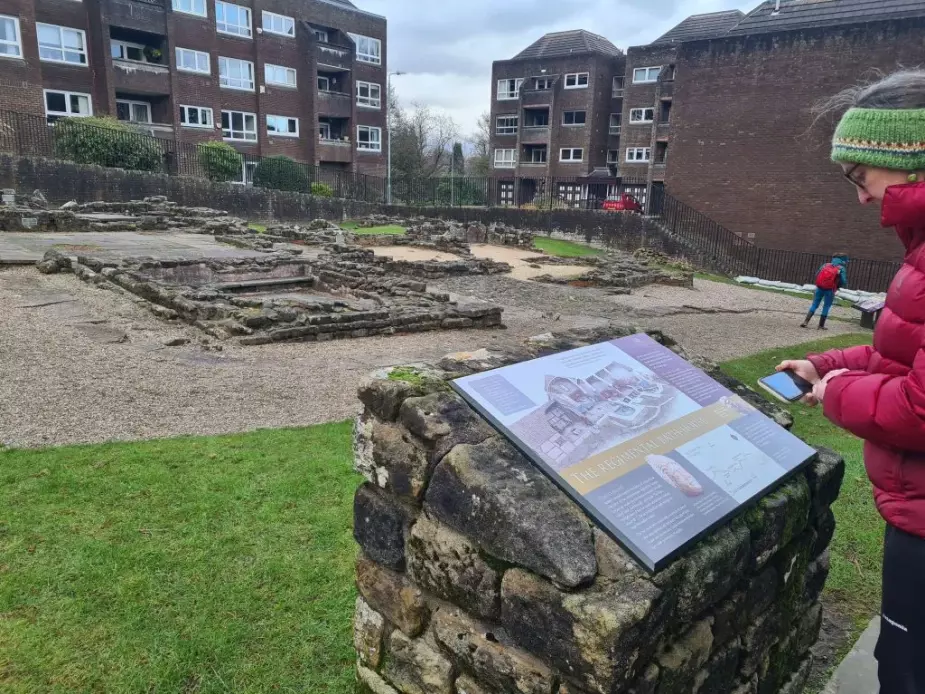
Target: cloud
point(447, 46)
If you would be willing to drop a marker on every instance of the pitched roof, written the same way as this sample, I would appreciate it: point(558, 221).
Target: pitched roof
point(807, 14)
point(565, 43)
point(702, 26)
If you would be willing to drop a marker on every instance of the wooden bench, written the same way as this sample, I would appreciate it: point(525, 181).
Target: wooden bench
point(870, 312)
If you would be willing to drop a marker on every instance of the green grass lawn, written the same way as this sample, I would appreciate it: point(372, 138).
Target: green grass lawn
point(387, 230)
point(565, 249)
point(186, 565)
point(854, 582)
point(259, 228)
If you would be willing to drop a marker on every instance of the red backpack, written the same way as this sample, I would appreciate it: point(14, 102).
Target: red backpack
point(828, 277)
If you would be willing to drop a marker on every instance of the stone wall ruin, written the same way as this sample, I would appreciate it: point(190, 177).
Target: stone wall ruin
point(478, 576)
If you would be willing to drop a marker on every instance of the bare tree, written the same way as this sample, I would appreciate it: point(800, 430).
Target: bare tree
point(422, 141)
point(479, 162)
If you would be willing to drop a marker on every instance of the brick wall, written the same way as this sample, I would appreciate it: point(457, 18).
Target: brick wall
point(744, 149)
point(641, 96)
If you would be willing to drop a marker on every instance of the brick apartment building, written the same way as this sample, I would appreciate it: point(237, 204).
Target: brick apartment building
point(555, 114)
point(301, 78)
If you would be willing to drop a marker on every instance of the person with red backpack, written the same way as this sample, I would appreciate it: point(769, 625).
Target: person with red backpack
point(830, 278)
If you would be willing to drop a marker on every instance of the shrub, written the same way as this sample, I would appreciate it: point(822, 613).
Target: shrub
point(107, 142)
point(549, 202)
point(281, 173)
point(322, 190)
point(220, 161)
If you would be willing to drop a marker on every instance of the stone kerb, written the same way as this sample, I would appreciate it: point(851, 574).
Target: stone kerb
point(478, 576)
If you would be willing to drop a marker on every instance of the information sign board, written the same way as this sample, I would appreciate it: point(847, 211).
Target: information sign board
point(654, 450)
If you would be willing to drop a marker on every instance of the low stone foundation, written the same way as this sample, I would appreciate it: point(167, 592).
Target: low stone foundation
point(478, 576)
point(355, 257)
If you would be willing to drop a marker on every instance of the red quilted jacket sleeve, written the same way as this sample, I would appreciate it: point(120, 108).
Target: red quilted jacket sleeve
point(853, 358)
point(885, 409)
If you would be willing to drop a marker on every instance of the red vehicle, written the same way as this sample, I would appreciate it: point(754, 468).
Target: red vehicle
point(624, 203)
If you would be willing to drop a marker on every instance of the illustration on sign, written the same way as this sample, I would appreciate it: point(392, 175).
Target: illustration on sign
point(656, 451)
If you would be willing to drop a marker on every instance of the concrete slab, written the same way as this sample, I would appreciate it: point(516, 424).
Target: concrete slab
point(23, 247)
point(857, 673)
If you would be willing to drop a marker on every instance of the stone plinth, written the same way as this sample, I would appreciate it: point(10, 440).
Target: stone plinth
point(478, 576)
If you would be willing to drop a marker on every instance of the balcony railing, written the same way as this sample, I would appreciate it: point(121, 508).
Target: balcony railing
point(618, 93)
point(334, 56)
point(616, 129)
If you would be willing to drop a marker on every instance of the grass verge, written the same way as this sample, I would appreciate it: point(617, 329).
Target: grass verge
point(387, 230)
point(853, 587)
point(184, 565)
point(259, 228)
point(565, 249)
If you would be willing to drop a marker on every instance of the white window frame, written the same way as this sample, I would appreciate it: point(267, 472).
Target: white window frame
point(619, 87)
point(192, 5)
point(268, 75)
point(67, 100)
point(239, 30)
point(267, 26)
point(17, 38)
point(647, 77)
point(60, 47)
point(131, 108)
point(247, 174)
point(184, 116)
point(618, 128)
point(547, 84)
point(571, 155)
point(125, 45)
point(372, 53)
point(327, 83)
point(197, 56)
point(508, 128)
point(638, 155)
point(504, 161)
point(638, 115)
point(576, 80)
point(573, 124)
point(615, 159)
point(237, 83)
point(280, 133)
point(504, 93)
point(324, 131)
point(230, 130)
point(373, 146)
point(322, 35)
point(369, 101)
point(533, 160)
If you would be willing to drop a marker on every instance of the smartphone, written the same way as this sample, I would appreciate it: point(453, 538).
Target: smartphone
point(786, 386)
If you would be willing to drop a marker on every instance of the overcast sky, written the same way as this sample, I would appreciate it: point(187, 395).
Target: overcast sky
point(447, 46)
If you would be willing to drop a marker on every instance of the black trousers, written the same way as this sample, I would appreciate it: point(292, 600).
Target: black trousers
point(900, 651)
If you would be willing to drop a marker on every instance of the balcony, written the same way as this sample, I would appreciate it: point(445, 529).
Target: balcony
point(536, 97)
point(334, 56)
point(334, 104)
point(615, 130)
point(667, 90)
point(143, 15)
point(335, 151)
point(534, 135)
point(142, 78)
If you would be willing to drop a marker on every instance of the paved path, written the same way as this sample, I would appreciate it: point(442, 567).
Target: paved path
point(26, 248)
point(858, 672)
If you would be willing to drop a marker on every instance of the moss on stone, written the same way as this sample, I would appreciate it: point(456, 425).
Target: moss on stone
point(418, 379)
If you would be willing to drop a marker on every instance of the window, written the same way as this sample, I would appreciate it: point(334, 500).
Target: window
point(10, 38)
point(536, 155)
point(277, 74)
point(505, 158)
point(506, 125)
point(278, 24)
point(646, 75)
point(196, 116)
point(61, 44)
point(642, 115)
point(509, 89)
point(64, 104)
point(197, 7)
point(324, 131)
point(321, 36)
point(236, 74)
point(232, 19)
point(283, 125)
point(572, 154)
point(324, 84)
point(536, 118)
point(123, 50)
point(369, 138)
point(133, 111)
point(368, 50)
point(542, 84)
point(237, 125)
point(613, 156)
point(193, 61)
point(638, 154)
point(574, 117)
point(617, 87)
point(577, 80)
point(616, 121)
point(369, 94)
point(247, 173)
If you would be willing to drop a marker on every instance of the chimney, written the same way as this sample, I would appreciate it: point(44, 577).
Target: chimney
point(776, 8)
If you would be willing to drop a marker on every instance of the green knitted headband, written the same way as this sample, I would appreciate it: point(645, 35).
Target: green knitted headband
point(882, 138)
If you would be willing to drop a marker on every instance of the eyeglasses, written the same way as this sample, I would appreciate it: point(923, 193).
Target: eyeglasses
point(855, 182)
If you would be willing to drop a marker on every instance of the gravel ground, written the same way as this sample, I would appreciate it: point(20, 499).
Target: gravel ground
point(80, 364)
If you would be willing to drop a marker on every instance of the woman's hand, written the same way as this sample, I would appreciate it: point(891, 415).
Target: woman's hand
point(805, 370)
point(819, 389)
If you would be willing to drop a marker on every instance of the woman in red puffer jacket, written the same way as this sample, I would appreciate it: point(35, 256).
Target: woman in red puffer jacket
point(878, 393)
